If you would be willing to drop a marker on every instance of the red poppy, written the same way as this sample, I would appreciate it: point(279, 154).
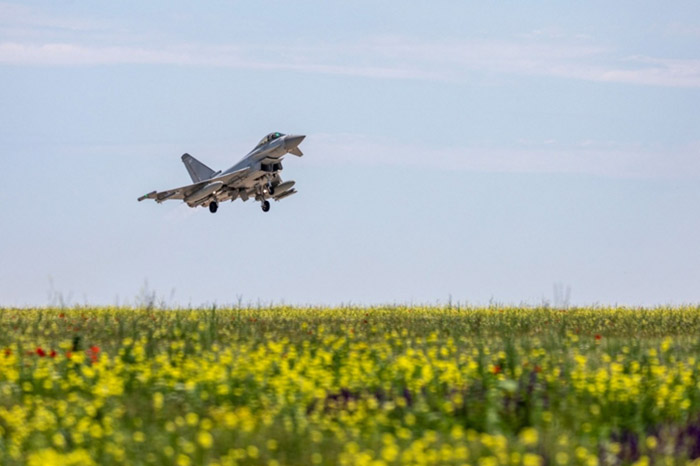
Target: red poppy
point(61, 315)
point(597, 336)
point(538, 369)
point(52, 354)
point(497, 369)
point(8, 351)
point(94, 350)
point(40, 352)
point(68, 354)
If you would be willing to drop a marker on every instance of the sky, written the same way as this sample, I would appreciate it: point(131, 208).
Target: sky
point(474, 152)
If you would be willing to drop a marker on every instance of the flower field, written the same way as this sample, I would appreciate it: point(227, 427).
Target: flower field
point(350, 386)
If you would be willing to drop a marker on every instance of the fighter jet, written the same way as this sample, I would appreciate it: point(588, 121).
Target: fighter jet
point(256, 176)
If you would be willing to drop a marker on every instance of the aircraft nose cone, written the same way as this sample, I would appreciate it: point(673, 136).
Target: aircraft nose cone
point(293, 140)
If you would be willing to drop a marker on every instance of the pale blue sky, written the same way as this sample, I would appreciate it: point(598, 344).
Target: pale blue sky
point(483, 150)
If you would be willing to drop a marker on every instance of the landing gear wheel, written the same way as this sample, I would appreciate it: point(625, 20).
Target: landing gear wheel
point(213, 207)
point(271, 190)
point(265, 206)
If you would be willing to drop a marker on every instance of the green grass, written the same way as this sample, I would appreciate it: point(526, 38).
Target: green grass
point(381, 385)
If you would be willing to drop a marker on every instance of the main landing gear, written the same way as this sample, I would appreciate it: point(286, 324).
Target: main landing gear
point(213, 207)
point(265, 206)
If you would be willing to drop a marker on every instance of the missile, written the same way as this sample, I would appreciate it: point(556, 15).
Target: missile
point(166, 196)
point(285, 194)
point(203, 192)
point(151, 195)
point(280, 188)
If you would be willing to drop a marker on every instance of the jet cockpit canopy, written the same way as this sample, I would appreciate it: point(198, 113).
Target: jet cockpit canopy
point(268, 138)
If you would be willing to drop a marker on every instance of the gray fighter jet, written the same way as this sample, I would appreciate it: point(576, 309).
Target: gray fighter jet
point(257, 175)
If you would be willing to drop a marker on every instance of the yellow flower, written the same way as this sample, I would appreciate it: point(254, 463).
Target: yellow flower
point(192, 419)
point(157, 401)
point(390, 452)
point(530, 459)
point(252, 451)
point(205, 439)
point(651, 442)
point(58, 440)
point(528, 436)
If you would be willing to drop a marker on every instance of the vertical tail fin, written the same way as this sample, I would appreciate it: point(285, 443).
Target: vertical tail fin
point(197, 170)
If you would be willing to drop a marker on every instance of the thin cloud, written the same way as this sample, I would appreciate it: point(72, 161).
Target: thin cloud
point(448, 62)
point(14, 17)
point(541, 58)
point(587, 157)
point(33, 37)
point(65, 54)
point(28, 24)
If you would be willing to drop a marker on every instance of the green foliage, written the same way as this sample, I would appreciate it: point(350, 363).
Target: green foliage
point(373, 386)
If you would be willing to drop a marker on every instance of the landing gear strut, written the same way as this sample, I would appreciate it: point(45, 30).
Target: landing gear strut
point(265, 206)
point(213, 207)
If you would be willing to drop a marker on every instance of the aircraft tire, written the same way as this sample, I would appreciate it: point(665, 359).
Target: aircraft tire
point(265, 206)
point(271, 190)
point(213, 207)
